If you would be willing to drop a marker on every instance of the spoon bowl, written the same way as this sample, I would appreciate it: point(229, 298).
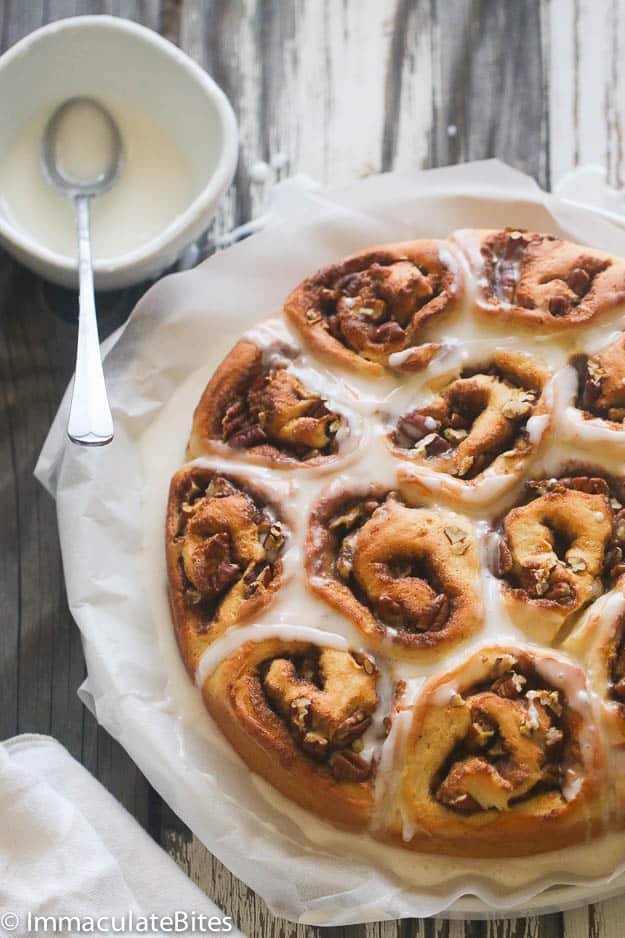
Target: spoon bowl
point(82, 148)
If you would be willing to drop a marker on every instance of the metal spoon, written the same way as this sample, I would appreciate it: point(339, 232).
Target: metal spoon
point(81, 155)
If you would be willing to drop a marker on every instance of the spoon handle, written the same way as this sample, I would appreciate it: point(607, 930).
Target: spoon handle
point(90, 422)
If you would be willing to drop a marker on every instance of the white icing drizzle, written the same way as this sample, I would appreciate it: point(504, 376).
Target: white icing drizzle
point(374, 736)
point(536, 427)
point(388, 776)
point(234, 638)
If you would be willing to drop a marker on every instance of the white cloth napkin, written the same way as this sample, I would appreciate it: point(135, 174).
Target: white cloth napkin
point(68, 848)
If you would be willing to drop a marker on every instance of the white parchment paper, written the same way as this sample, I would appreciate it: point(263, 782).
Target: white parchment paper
point(111, 505)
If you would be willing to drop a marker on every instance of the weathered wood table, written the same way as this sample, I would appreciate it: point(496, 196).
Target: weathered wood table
point(344, 88)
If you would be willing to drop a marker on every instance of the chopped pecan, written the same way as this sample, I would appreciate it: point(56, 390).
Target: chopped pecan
point(248, 437)
point(559, 305)
point(233, 418)
point(260, 582)
point(390, 332)
point(375, 310)
point(433, 445)
point(219, 488)
point(509, 685)
point(348, 766)
point(577, 564)
point(591, 485)
point(351, 728)
point(503, 560)
point(344, 563)
point(547, 698)
point(481, 733)
point(455, 436)
point(415, 426)
point(315, 744)
point(347, 519)
point(433, 616)
point(300, 708)
point(578, 280)
point(553, 736)
point(389, 610)
point(275, 538)
point(224, 575)
point(515, 409)
point(192, 597)
point(562, 593)
point(458, 539)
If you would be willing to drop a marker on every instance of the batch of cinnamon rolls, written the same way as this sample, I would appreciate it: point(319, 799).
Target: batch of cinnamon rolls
point(396, 555)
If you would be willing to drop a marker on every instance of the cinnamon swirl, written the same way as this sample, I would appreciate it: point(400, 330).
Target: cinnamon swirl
point(297, 713)
point(503, 759)
point(256, 407)
point(559, 551)
point(224, 544)
point(368, 312)
point(406, 576)
point(487, 419)
point(533, 279)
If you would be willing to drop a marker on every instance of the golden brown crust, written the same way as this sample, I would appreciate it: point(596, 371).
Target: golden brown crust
point(365, 308)
point(559, 551)
point(224, 539)
point(296, 714)
point(478, 421)
point(407, 577)
point(259, 410)
point(599, 640)
point(503, 758)
point(602, 384)
point(535, 279)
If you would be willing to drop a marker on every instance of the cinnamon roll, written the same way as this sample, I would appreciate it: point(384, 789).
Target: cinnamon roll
point(599, 640)
point(488, 418)
point(407, 577)
point(297, 714)
point(559, 551)
point(503, 758)
point(602, 384)
point(369, 311)
point(225, 540)
point(256, 407)
point(534, 279)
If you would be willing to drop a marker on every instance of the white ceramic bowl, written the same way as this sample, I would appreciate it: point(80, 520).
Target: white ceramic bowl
point(112, 58)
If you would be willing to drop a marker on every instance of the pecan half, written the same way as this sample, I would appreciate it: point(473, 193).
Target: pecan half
point(352, 727)
point(348, 766)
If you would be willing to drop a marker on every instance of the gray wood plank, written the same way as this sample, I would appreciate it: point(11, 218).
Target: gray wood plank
point(491, 84)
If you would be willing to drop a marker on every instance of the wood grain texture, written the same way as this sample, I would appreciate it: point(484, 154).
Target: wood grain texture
point(587, 86)
point(342, 89)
